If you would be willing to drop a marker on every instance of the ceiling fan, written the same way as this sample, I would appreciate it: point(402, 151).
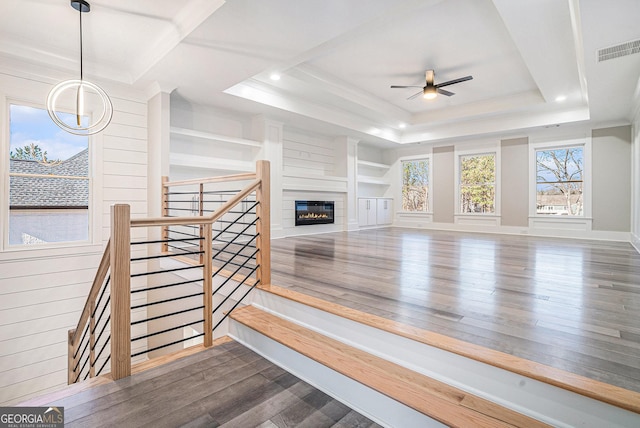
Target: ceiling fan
point(431, 90)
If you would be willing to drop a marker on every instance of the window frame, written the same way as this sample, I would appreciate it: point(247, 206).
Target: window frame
point(95, 143)
point(534, 147)
point(415, 158)
point(479, 150)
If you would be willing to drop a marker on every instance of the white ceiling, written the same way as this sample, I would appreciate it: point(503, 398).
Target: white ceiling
point(338, 58)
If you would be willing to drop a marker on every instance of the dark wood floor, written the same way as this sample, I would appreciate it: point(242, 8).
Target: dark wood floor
point(225, 386)
point(570, 304)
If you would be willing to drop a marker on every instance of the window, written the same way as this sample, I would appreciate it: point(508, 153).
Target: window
point(48, 180)
point(415, 185)
point(478, 183)
point(559, 181)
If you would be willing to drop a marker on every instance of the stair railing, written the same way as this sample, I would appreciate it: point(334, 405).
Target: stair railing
point(146, 291)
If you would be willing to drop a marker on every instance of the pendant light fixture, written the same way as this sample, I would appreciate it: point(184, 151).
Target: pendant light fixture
point(81, 89)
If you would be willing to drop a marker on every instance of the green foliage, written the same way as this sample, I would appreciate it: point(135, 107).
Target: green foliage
point(31, 152)
point(477, 183)
point(415, 185)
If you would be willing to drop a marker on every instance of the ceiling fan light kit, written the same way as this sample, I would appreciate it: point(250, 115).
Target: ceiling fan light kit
point(80, 87)
point(431, 89)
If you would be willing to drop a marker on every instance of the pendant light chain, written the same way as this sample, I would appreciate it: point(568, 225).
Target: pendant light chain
point(81, 70)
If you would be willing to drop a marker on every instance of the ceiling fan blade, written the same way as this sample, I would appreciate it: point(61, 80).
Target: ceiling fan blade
point(410, 86)
point(454, 81)
point(415, 95)
point(443, 92)
point(429, 76)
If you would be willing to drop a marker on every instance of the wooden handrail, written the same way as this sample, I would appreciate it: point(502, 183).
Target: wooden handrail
point(98, 281)
point(116, 260)
point(208, 219)
point(233, 177)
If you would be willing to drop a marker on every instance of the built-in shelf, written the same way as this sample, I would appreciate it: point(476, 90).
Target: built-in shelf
point(205, 162)
point(373, 164)
point(213, 137)
point(373, 180)
point(315, 177)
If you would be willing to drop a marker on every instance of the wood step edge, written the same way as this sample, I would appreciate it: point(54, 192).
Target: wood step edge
point(607, 393)
point(433, 398)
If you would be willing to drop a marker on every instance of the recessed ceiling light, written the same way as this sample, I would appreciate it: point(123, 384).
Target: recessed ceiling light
point(274, 76)
point(561, 98)
point(402, 125)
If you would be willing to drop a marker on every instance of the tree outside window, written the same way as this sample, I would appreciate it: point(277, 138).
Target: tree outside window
point(415, 185)
point(559, 181)
point(478, 184)
point(48, 180)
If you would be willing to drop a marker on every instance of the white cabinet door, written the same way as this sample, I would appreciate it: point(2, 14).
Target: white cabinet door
point(384, 211)
point(367, 212)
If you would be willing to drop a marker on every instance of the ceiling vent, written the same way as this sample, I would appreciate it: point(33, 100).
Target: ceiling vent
point(617, 51)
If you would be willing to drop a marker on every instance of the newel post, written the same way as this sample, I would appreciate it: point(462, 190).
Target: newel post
point(120, 291)
point(263, 227)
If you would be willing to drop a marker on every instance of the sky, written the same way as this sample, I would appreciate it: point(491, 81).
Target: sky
point(30, 124)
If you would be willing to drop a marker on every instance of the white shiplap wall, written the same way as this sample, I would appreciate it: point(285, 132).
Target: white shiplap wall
point(307, 154)
point(43, 291)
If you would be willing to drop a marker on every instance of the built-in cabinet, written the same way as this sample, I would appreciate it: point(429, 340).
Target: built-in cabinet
point(384, 211)
point(375, 211)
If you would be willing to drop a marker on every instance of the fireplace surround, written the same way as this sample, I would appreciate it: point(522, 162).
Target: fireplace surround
point(314, 212)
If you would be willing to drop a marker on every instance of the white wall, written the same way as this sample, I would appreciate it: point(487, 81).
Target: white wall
point(635, 182)
point(42, 291)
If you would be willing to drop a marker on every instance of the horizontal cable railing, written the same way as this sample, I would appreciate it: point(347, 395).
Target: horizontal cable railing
point(197, 263)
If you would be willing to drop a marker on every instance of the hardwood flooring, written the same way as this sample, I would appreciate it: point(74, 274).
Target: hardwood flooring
point(224, 386)
point(569, 304)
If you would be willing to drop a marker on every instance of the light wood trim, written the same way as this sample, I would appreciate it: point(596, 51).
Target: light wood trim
point(222, 179)
point(263, 227)
point(207, 287)
point(24, 174)
point(164, 198)
point(426, 395)
point(98, 281)
point(70, 360)
point(120, 291)
point(616, 396)
point(213, 217)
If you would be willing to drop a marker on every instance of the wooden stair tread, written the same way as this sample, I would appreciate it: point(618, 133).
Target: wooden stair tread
point(447, 404)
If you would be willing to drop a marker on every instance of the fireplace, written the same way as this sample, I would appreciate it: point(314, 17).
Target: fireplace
point(314, 212)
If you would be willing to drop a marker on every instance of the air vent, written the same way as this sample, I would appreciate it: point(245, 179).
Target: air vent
point(617, 51)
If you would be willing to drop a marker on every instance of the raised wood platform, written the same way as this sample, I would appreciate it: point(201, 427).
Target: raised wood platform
point(442, 402)
point(573, 305)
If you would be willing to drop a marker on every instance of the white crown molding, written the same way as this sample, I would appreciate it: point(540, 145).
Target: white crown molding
point(189, 18)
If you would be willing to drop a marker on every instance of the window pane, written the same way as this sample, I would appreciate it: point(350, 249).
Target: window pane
point(48, 180)
point(559, 181)
point(477, 184)
point(415, 185)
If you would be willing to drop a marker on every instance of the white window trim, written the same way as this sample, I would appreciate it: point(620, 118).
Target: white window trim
point(429, 158)
point(585, 142)
point(478, 150)
point(35, 98)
